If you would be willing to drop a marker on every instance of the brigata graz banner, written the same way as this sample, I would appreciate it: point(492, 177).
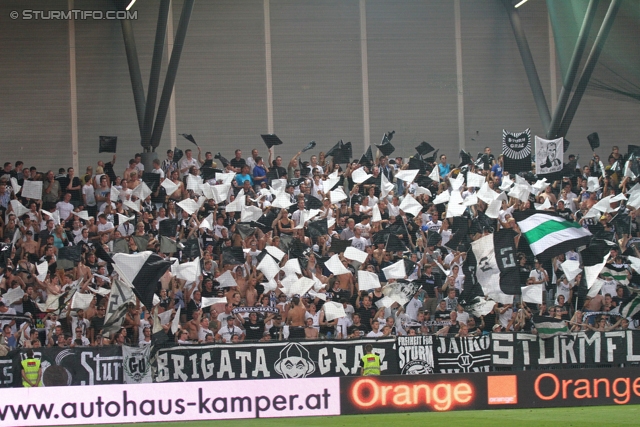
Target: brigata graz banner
point(427, 354)
point(67, 366)
point(520, 350)
point(269, 360)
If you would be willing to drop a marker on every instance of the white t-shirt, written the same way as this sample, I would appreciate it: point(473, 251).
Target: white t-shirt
point(374, 334)
point(105, 227)
point(89, 192)
point(360, 242)
point(64, 209)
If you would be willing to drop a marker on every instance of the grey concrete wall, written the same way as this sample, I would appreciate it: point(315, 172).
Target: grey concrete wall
point(221, 88)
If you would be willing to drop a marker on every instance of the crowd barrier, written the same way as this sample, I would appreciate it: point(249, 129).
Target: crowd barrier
point(407, 355)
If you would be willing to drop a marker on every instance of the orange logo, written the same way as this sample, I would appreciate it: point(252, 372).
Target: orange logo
point(502, 390)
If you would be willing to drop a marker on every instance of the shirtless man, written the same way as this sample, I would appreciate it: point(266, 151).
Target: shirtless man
point(346, 280)
point(180, 193)
point(295, 318)
point(310, 332)
point(193, 326)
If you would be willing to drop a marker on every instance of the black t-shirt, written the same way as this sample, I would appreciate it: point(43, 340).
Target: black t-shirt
point(237, 163)
point(366, 314)
point(254, 331)
point(75, 194)
point(96, 323)
point(442, 315)
point(565, 213)
point(429, 283)
point(274, 331)
point(361, 328)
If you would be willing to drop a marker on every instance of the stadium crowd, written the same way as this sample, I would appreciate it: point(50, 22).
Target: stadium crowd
point(330, 203)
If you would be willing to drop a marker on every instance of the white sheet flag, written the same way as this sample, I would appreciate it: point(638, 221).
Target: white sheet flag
point(81, 301)
point(410, 205)
point(367, 280)
point(359, 175)
point(206, 302)
point(275, 252)
point(333, 310)
point(395, 271)
point(337, 195)
point(475, 180)
point(142, 191)
point(32, 190)
point(190, 206)
point(355, 254)
point(386, 187)
point(269, 267)
point(335, 266)
point(169, 186)
point(226, 280)
point(407, 175)
point(532, 293)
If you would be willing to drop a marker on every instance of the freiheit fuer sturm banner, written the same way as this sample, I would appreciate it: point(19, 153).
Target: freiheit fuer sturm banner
point(427, 354)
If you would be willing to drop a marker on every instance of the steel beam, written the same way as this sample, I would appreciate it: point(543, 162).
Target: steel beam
point(572, 71)
point(529, 65)
point(154, 77)
point(134, 70)
point(172, 71)
point(589, 66)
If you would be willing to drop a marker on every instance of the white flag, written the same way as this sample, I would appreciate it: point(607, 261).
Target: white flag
point(367, 280)
point(333, 310)
point(338, 195)
point(475, 180)
point(410, 205)
point(359, 175)
point(206, 302)
point(407, 176)
point(532, 293)
point(226, 280)
point(355, 254)
point(335, 266)
point(268, 267)
point(395, 271)
point(169, 186)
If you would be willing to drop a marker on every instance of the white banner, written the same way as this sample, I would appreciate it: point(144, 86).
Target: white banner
point(213, 400)
point(135, 364)
point(549, 155)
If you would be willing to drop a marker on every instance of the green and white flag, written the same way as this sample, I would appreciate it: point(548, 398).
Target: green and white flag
point(550, 235)
point(619, 274)
point(549, 327)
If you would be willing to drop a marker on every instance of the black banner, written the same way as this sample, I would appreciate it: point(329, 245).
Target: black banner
point(516, 149)
point(520, 350)
point(269, 360)
point(428, 354)
point(67, 366)
point(464, 354)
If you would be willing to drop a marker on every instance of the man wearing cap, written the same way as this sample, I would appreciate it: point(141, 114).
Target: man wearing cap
point(370, 362)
